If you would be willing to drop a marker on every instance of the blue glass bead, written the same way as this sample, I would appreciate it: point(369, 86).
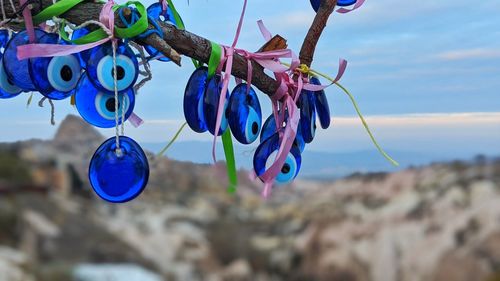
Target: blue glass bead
point(119, 177)
point(155, 11)
point(269, 129)
point(193, 100)
point(266, 154)
point(4, 37)
point(321, 104)
point(316, 3)
point(307, 115)
point(55, 77)
point(7, 88)
point(211, 104)
point(18, 70)
point(98, 107)
point(100, 67)
point(83, 56)
point(244, 114)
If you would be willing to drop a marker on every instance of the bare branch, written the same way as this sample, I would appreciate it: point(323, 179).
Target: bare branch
point(318, 25)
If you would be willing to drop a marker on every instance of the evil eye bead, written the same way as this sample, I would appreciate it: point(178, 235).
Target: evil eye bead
point(98, 107)
point(321, 105)
point(244, 115)
point(211, 105)
point(4, 37)
point(83, 56)
point(265, 156)
point(55, 77)
point(156, 12)
point(269, 129)
point(101, 71)
point(18, 70)
point(193, 100)
point(307, 115)
point(7, 88)
point(119, 177)
point(316, 3)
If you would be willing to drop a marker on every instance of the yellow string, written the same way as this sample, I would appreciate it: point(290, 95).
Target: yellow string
point(172, 141)
point(306, 70)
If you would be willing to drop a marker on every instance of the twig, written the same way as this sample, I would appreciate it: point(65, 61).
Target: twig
point(318, 25)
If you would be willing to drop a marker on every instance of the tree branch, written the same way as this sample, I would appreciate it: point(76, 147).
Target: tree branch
point(183, 42)
point(318, 25)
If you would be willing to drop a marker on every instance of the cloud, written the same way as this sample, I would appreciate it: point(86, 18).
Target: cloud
point(425, 119)
point(465, 54)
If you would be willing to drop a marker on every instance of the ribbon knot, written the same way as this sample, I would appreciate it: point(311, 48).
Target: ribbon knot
point(303, 68)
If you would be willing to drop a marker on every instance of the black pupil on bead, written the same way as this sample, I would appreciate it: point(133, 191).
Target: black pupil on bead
point(110, 105)
point(255, 128)
point(120, 72)
point(66, 73)
point(286, 168)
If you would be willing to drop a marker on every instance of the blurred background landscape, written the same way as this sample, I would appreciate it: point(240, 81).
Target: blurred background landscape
point(435, 222)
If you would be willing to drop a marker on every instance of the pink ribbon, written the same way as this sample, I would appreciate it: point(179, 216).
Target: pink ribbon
point(28, 21)
point(164, 5)
point(227, 58)
point(107, 17)
point(358, 4)
point(135, 120)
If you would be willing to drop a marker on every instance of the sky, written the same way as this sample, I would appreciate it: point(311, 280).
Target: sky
point(426, 75)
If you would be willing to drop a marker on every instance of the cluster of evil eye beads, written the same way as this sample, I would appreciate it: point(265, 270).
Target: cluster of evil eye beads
point(115, 175)
point(242, 115)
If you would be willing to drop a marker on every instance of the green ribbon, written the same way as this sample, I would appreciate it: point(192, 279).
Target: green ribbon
point(214, 61)
point(63, 6)
point(55, 10)
point(227, 142)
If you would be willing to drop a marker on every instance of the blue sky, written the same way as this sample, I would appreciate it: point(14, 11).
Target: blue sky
point(426, 75)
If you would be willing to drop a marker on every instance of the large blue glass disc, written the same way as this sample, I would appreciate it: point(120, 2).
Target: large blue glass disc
point(211, 104)
point(119, 178)
point(321, 104)
point(269, 129)
point(266, 154)
point(18, 70)
point(193, 100)
point(100, 67)
point(244, 114)
point(55, 77)
point(316, 3)
point(155, 11)
point(307, 115)
point(7, 88)
point(98, 107)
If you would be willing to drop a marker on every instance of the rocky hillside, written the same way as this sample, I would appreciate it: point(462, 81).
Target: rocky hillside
point(440, 222)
